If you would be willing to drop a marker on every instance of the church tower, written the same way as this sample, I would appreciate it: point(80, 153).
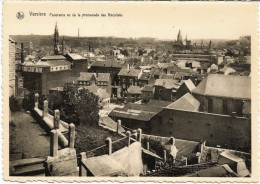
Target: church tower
point(179, 37)
point(56, 40)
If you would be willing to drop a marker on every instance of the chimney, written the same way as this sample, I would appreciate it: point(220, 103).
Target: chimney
point(89, 48)
point(128, 66)
point(22, 53)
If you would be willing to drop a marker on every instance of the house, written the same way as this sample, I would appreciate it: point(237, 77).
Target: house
point(147, 93)
point(102, 80)
point(134, 93)
point(108, 66)
point(165, 89)
point(104, 97)
point(224, 94)
point(186, 103)
point(129, 77)
point(186, 87)
point(145, 79)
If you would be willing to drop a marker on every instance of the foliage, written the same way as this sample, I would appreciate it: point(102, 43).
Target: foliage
point(76, 106)
point(14, 104)
point(28, 102)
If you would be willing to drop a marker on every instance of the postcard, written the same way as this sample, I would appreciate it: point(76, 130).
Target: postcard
point(130, 91)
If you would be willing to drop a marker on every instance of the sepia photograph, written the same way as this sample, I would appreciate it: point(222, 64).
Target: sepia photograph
point(143, 91)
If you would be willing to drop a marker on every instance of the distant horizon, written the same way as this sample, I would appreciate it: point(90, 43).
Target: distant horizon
point(160, 39)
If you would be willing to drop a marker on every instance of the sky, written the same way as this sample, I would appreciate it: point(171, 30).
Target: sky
point(199, 20)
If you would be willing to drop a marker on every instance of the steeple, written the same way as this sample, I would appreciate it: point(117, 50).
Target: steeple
point(179, 37)
point(210, 44)
point(56, 40)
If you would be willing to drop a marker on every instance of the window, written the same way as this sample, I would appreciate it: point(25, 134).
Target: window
point(170, 120)
point(225, 109)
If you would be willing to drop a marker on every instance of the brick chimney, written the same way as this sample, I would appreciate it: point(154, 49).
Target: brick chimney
point(22, 53)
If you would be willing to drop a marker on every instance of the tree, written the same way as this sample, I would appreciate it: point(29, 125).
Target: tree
point(76, 106)
point(14, 104)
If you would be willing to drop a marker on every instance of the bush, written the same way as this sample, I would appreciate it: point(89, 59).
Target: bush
point(14, 104)
point(28, 102)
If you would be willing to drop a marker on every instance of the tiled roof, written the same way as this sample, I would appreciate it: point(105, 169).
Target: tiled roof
point(168, 83)
point(186, 102)
point(132, 72)
point(87, 76)
point(134, 90)
point(227, 86)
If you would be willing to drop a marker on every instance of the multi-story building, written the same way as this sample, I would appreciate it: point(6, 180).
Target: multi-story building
point(225, 94)
point(165, 89)
point(101, 80)
point(108, 66)
point(129, 77)
point(47, 73)
point(79, 63)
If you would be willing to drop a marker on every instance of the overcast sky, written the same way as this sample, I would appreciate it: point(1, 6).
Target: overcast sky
point(159, 20)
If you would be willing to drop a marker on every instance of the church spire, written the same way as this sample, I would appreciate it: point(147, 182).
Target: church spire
point(210, 44)
point(179, 37)
point(56, 40)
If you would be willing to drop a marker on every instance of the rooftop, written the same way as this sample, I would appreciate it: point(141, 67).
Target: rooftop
point(167, 83)
point(186, 102)
point(148, 88)
point(108, 64)
point(54, 57)
point(134, 90)
point(132, 72)
point(75, 56)
point(87, 76)
point(226, 86)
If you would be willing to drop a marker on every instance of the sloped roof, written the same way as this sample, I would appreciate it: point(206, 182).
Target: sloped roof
point(75, 56)
point(189, 84)
point(47, 63)
point(54, 57)
point(87, 76)
point(134, 90)
point(104, 165)
point(159, 103)
point(186, 102)
point(147, 88)
point(167, 83)
point(142, 112)
point(226, 86)
point(145, 76)
point(132, 72)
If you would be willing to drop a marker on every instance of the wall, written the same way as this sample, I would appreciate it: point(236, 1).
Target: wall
point(55, 79)
point(11, 68)
point(226, 131)
point(233, 105)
